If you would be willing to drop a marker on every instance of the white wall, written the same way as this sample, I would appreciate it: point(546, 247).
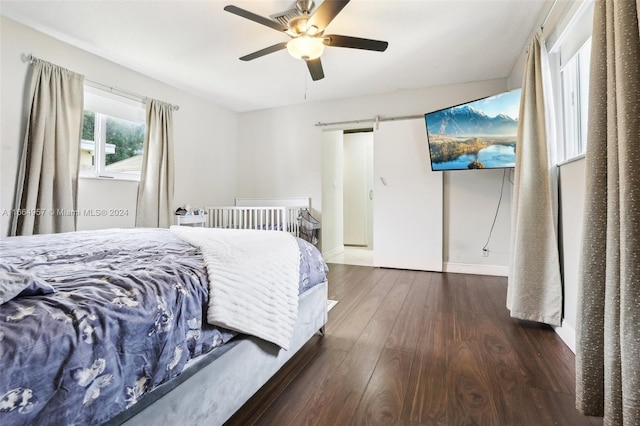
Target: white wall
point(572, 194)
point(279, 154)
point(204, 134)
point(100, 195)
point(470, 202)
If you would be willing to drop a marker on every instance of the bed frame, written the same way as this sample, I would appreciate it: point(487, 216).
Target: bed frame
point(214, 386)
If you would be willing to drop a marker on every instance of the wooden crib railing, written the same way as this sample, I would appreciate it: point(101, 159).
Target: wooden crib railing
point(251, 217)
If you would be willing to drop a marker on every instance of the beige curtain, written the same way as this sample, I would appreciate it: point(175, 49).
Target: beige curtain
point(534, 289)
point(608, 323)
point(155, 193)
point(46, 191)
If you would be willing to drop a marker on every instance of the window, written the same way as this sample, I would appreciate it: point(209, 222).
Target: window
point(112, 136)
point(574, 79)
point(569, 46)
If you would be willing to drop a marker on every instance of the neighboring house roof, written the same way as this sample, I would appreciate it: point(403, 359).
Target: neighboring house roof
point(129, 165)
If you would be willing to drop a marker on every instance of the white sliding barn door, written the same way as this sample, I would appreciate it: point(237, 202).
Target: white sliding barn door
point(407, 216)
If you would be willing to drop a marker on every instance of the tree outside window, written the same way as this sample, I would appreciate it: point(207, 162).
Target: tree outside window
point(111, 146)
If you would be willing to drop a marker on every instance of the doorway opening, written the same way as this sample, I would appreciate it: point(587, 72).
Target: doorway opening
point(347, 196)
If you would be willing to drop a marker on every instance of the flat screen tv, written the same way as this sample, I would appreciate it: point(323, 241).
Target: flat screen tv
point(475, 135)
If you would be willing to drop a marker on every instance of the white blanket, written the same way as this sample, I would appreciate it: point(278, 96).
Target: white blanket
point(253, 280)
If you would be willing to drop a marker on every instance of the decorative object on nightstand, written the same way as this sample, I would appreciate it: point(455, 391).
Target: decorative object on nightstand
point(187, 216)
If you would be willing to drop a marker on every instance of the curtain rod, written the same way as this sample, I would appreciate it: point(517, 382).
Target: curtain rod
point(30, 58)
point(375, 120)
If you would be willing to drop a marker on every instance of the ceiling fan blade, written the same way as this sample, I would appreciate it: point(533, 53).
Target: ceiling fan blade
point(325, 13)
point(264, 51)
point(355, 43)
point(256, 18)
point(315, 69)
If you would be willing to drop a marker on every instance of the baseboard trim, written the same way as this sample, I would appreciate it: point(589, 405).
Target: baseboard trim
point(468, 268)
point(568, 334)
point(333, 252)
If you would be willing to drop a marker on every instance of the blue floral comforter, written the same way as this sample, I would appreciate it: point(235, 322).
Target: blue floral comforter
point(105, 316)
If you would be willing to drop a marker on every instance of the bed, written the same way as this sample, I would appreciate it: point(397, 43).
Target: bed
point(112, 327)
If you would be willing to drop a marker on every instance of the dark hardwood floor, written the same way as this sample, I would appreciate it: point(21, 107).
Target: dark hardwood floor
point(420, 348)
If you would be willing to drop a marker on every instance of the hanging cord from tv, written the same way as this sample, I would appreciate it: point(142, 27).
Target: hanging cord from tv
point(504, 177)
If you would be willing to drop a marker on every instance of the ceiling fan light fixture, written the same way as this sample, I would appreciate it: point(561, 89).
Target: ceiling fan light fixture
point(306, 48)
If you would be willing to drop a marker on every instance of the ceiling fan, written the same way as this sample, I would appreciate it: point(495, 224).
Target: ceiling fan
point(306, 29)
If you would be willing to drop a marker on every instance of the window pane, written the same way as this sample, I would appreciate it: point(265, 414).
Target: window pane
point(88, 145)
point(88, 125)
point(570, 109)
point(124, 145)
point(585, 59)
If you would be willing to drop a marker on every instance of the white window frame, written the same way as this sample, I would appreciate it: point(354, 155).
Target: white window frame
point(106, 104)
point(574, 80)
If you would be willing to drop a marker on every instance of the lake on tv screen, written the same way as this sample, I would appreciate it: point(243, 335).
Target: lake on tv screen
point(493, 156)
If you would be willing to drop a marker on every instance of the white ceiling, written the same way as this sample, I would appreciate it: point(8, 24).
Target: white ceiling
point(195, 45)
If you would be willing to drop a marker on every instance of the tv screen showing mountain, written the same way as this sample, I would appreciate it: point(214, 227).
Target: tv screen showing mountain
point(475, 135)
